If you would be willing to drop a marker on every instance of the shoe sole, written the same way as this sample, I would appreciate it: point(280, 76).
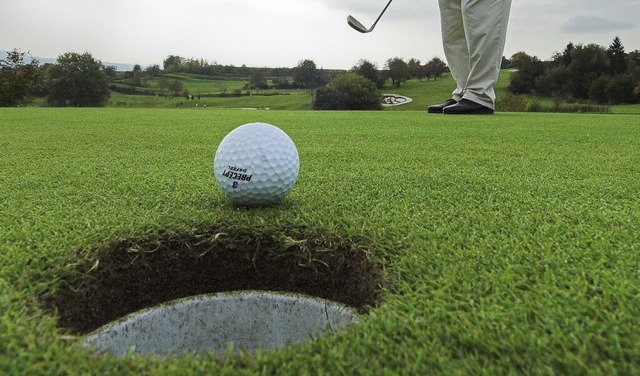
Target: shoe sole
point(439, 108)
point(483, 112)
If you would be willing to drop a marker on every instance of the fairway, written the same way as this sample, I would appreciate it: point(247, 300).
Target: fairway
point(497, 244)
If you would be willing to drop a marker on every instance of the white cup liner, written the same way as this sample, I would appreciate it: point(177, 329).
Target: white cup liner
point(251, 320)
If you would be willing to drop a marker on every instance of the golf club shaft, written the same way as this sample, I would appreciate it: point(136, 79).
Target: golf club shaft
point(380, 16)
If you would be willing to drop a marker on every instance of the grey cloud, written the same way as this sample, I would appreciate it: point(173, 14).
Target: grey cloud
point(593, 24)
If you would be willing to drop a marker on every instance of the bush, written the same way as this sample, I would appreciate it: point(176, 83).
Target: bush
point(598, 89)
point(78, 80)
point(523, 81)
point(620, 89)
point(18, 80)
point(348, 91)
point(536, 106)
point(584, 108)
point(512, 103)
point(570, 108)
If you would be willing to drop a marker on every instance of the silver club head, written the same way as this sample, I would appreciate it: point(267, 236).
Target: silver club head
point(356, 25)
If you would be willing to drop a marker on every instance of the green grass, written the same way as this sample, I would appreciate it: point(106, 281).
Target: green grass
point(510, 243)
point(294, 100)
point(209, 91)
point(423, 93)
point(201, 86)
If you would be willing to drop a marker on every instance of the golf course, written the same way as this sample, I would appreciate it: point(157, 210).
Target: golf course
point(503, 244)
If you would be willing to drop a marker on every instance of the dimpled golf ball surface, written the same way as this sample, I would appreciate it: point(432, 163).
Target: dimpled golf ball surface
point(256, 164)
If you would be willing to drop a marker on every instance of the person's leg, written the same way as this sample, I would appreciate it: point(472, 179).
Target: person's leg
point(485, 27)
point(454, 43)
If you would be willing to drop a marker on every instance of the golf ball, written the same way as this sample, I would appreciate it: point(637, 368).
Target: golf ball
point(256, 164)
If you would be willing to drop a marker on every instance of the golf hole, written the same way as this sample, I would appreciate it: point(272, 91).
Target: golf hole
point(195, 282)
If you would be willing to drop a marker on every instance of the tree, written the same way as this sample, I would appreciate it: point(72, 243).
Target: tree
point(173, 63)
point(553, 82)
point(175, 87)
point(348, 91)
point(163, 83)
point(78, 80)
point(17, 79)
point(369, 71)
point(519, 58)
point(153, 70)
point(257, 80)
point(322, 78)
point(616, 89)
point(136, 76)
point(621, 89)
point(566, 54)
point(598, 89)
point(593, 72)
point(435, 68)
point(281, 83)
point(398, 70)
point(633, 59)
point(505, 63)
point(523, 81)
point(111, 71)
point(415, 69)
point(617, 57)
point(305, 74)
point(565, 57)
point(587, 64)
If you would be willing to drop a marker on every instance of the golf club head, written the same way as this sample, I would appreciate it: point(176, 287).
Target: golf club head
point(356, 25)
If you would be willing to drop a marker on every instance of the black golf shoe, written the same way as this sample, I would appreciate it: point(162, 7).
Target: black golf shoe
point(437, 108)
point(467, 107)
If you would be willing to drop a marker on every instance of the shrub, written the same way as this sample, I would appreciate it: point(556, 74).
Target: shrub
point(598, 89)
point(584, 108)
point(536, 106)
point(512, 103)
point(78, 80)
point(524, 79)
point(620, 89)
point(348, 91)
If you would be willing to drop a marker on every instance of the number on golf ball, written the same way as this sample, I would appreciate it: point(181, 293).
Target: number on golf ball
point(256, 164)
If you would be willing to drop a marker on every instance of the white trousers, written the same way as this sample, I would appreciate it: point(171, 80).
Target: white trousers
point(473, 35)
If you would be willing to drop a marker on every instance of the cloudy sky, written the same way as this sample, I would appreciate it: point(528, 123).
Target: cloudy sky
point(280, 33)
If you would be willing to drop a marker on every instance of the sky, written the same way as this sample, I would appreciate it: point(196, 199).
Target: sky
point(281, 33)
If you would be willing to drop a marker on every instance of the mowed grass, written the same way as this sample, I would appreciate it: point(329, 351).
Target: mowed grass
point(509, 244)
point(209, 91)
point(423, 93)
point(293, 100)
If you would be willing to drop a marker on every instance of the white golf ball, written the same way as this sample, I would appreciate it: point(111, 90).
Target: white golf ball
point(256, 164)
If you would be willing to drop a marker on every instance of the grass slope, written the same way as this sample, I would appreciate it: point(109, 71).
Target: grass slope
point(509, 243)
point(423, 93)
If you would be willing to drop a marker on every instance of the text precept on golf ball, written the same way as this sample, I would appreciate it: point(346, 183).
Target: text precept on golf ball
point(237, 173)
point(256, 164)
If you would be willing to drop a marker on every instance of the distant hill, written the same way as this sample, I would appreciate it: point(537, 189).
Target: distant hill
point(121, 67)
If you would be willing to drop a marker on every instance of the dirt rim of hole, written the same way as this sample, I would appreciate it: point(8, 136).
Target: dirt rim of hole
point(131, 274)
